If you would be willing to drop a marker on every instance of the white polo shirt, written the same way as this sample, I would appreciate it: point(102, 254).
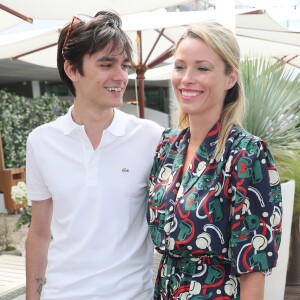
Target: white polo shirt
point(100, 247)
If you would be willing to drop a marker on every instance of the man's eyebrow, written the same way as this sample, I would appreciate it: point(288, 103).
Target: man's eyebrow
point(110, 58)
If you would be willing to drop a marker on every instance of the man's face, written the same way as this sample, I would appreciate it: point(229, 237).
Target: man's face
point(104, 79)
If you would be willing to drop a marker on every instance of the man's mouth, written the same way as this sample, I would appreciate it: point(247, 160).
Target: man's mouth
point(114, 89)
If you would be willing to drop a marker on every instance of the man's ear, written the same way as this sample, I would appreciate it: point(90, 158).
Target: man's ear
point(232, 79)
point(71, 72)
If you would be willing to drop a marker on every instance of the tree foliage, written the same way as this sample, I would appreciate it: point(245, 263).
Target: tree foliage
point(19, 116)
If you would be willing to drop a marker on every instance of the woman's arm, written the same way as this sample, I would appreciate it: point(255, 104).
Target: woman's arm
point(252, 286)
point(38, 240)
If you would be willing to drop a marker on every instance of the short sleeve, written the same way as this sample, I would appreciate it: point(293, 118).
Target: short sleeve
point(36, 188)
point(256, 212)
point(161, 150)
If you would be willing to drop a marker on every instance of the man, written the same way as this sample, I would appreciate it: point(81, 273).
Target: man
point(87, 176)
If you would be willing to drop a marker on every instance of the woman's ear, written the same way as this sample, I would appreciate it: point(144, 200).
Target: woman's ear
point(232, 79)
point(71, 72)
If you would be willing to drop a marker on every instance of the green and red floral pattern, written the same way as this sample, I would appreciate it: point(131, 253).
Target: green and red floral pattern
point(219, 220)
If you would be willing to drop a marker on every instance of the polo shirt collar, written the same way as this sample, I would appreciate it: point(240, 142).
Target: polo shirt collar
point(117, 126)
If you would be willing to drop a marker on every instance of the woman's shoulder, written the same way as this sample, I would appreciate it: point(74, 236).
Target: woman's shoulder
point(170, 136)
point(171, 132)
point(240, 138)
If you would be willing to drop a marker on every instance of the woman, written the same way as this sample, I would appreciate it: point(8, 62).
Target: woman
point(215, 199)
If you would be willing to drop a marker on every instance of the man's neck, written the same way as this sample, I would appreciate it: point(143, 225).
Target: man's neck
point(95, 122)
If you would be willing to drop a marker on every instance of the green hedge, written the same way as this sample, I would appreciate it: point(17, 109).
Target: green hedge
point(19, 116)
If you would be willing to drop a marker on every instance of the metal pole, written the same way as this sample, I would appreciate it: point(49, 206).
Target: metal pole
point(140, 77)
point(15, 13)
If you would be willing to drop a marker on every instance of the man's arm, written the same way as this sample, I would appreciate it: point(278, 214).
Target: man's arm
point(252, 286)
point(39, 237)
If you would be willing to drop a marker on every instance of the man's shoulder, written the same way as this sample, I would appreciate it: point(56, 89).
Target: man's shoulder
point(45, 129)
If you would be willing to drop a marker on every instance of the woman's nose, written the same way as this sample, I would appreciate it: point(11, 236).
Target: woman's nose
point(188, 76)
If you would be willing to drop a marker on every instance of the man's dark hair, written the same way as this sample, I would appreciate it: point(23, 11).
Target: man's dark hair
point(88, 38)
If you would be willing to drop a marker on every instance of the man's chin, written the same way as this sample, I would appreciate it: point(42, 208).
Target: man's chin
point(119, 104)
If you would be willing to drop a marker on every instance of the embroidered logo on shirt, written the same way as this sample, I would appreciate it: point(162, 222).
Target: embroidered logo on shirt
point(125, 170)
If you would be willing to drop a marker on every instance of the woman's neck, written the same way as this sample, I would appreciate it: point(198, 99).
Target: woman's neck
point(199, 128)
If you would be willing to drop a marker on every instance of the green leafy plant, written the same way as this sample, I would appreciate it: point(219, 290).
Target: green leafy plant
point(273, 113)
point(19, 116)
point(273, 97)
point(13, 128)
point(24, 219)
point(19, 196)
point(5, 236)
point(290, 169)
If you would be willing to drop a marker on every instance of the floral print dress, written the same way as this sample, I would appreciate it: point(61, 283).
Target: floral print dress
point(220, 219)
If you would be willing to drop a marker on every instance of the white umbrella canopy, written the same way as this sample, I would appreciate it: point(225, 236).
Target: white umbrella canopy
point(257, 34)
point(10, 17)
point(260, 35)
point(8, 20)
point(158, 73)
point(17, 44)
point(157, 31)
point(10, 11)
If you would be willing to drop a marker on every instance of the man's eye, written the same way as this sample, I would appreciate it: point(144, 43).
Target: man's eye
point(126, 66)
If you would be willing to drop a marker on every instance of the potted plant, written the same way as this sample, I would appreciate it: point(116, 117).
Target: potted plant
point(273, 113)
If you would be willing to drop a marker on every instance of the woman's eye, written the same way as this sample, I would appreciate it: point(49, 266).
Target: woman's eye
point(178, 67)
point(202, 69)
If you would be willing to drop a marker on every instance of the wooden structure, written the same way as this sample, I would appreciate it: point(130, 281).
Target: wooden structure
point(9, 178)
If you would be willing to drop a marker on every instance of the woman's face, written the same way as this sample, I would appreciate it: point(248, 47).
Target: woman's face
point(199, 79)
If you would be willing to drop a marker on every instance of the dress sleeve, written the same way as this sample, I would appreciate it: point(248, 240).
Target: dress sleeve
point(161, 150)
point(256, 212)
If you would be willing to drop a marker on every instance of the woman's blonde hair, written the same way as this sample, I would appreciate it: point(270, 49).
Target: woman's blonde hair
point(223, 42)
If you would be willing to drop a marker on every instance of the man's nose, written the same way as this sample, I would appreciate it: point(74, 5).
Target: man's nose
point(120, 73)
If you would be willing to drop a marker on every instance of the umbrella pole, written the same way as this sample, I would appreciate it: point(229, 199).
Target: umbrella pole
point(15, 13)
point(140, 76)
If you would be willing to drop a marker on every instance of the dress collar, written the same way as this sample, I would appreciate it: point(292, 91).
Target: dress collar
point(200, 160)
